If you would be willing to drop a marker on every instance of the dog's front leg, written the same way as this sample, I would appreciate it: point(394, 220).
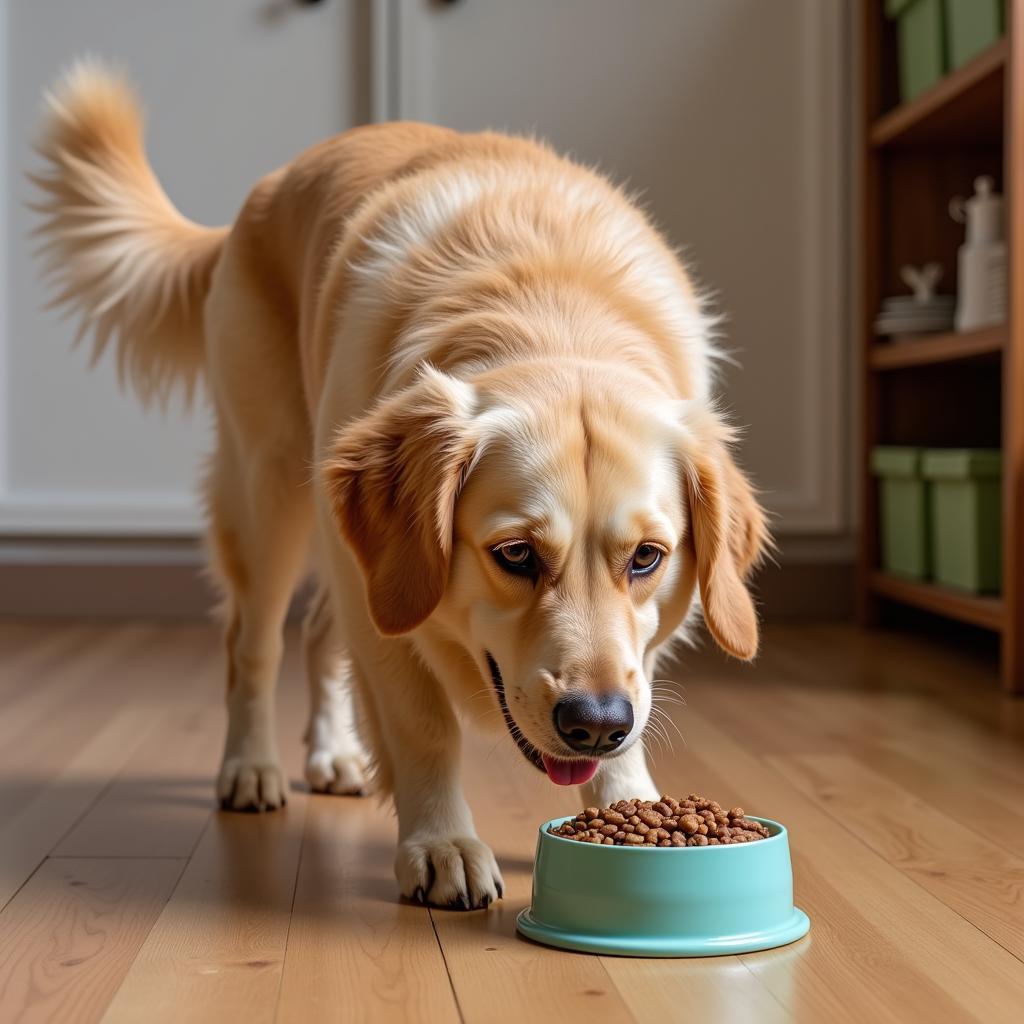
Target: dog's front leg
point(440, 860)
point(621, 778)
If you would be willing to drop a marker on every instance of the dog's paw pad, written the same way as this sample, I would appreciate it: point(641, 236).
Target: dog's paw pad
point(249, 785)
point(341, 774)
point(458, 872)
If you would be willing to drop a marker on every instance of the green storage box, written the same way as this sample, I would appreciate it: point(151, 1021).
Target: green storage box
point(921, 29)
point(966, 514)
point(903, 511)
point(971, 26)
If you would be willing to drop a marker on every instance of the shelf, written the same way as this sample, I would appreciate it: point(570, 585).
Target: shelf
point(928, 349)
point(964, 107)
point(986, 612)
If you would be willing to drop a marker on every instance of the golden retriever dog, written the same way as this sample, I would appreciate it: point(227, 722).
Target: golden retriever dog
point(472, 378)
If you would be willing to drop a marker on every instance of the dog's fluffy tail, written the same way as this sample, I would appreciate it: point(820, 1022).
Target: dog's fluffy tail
point(116, 249)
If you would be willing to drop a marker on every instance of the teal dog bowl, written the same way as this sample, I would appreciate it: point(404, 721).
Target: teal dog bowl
point(650, 901)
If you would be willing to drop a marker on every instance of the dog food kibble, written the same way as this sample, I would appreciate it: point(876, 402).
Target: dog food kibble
point(693, 821)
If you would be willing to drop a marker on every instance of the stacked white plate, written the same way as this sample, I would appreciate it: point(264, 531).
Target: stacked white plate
point(905, 314)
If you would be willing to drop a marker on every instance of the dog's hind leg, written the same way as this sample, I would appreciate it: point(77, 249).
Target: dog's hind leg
point(335, 761)
point(260, 510)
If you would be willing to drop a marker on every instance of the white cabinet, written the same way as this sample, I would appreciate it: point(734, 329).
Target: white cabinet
point(232, 89)
point(728, 115)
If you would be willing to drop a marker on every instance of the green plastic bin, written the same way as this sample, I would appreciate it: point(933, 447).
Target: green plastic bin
point(971, 26)
point(903, 511)
point(921, 31)
point(966, 513)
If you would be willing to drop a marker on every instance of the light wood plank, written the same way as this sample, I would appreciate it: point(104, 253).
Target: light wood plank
point(160, 803)
point(356, 952)
point(926, 959)
point(27, 836)
point(217, 949)
point(70, 935)
point(497, 975)
point(961, 867)
point(717, 988)
point(38, 703)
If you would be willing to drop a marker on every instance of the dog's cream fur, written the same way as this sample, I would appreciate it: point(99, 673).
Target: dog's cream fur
point(420, 345)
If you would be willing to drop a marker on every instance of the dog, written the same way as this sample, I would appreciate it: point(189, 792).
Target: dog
point(468, 380)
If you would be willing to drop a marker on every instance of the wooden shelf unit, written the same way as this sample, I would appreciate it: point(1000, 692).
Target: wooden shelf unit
point(937, 348)
point(963, 108)
point(946, 389)
point(978, 610)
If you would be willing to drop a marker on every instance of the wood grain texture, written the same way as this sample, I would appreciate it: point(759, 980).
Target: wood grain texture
point(69, 937)
point(295, 916)
point(217, 950)
point(960, 865)
point(356, 952)
point(497, 975)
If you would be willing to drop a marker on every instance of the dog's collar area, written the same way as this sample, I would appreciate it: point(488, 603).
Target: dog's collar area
point(526, 748)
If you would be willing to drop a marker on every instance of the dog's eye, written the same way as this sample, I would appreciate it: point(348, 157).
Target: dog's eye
point(646, 559)
point(516, 556)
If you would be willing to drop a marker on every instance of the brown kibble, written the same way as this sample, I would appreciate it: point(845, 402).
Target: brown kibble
point(694, 821)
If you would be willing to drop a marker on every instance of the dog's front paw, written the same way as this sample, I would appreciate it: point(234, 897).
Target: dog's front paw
point(328, 771)
point(246, 784)
point(459, 872)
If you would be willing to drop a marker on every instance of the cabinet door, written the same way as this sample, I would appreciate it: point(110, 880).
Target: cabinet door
point(728, 116)
point(231, 89)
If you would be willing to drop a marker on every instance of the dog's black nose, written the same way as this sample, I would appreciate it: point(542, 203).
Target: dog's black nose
point(594, 725)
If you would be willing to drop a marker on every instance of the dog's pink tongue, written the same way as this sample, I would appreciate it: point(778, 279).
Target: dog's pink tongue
point(569, 773)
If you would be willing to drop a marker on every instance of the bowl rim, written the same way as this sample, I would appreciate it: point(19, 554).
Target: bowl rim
point(779, 834)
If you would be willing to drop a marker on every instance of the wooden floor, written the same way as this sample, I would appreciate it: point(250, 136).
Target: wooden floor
point(897, 766)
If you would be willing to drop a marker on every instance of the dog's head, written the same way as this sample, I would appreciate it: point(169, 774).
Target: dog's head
point(556, 524)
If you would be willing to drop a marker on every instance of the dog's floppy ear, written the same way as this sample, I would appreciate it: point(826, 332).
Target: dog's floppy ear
point(729, 534)
point(392, 478)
